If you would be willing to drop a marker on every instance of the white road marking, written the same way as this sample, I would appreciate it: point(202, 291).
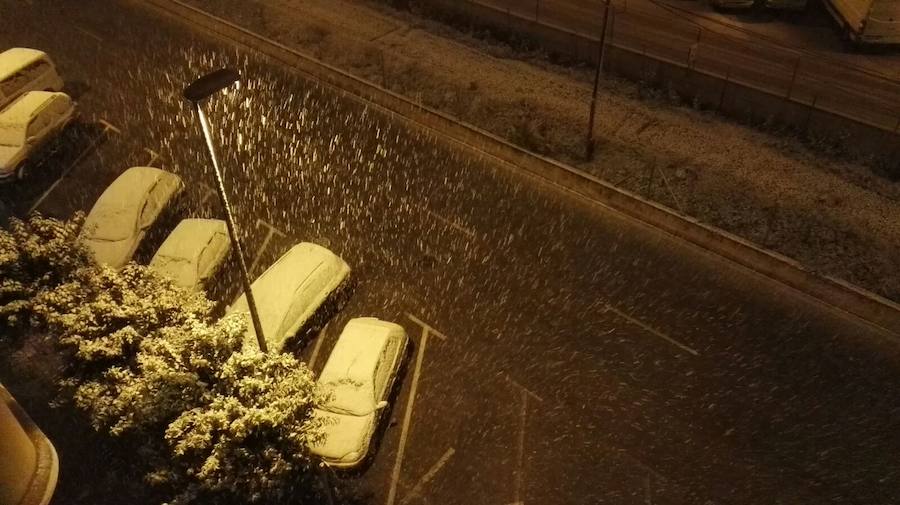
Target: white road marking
point(426, 326)
point(407, 417)
point(153, 156)
point(319, 340)
point(417, 489)
point(520, 453)
point(523, 388)
point(90, 34)
point(652, 330)
point(84, 153)
point(109, 126)
point(465, 231)
point(265, 243)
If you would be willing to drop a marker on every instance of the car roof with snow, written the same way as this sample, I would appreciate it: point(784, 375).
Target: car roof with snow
point(276, 289)
point(115, 214)
point(24, 107)
point(15, 58)
point(355, 355)
point(181, 257)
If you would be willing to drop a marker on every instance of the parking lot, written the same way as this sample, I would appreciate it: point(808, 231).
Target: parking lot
point(562, 353)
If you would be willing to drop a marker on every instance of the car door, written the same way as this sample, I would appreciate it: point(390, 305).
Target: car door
point(383, 370)
point(152, 206)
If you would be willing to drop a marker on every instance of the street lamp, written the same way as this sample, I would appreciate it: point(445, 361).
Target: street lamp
point(196, 92)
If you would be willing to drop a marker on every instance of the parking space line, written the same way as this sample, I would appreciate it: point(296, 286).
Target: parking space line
point(89, 149)
point(523, 388)
point(407, 417)
point(417, 489)
point(109, 126)
point(453, 224)
point(520, 453)
point(153, 156)
point(319, 340)
point(652, 330)
point(426, 326)
point(90, 34)
point(265, 243)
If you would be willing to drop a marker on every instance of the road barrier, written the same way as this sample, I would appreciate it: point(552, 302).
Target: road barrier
point(837, 294)
point(749, 79)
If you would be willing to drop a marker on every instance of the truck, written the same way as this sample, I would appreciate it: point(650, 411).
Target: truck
point(867, 22)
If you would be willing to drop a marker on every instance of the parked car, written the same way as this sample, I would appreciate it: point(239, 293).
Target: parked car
point(29, 465)
point(23, 70)
point(360, 373)
point(193, 252)
point(290, 291)
point(125, 212)
point(28, 125)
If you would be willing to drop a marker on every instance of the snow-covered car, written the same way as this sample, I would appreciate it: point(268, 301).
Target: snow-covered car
point(193, 252)
point(28, 125)
point(290, 291)
point(22, 70)
point(360, 374)
point(29, 465)
point(125, 212)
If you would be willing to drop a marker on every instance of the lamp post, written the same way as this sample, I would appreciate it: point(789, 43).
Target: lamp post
point(589, 144)
point(196, 92)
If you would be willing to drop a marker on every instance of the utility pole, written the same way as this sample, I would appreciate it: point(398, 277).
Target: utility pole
point(589, 144)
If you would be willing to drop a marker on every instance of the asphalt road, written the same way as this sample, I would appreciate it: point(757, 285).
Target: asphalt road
point(682, 33)
point(563, 353)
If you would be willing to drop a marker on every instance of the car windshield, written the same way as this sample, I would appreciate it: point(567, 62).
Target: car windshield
point(351, 398)
point(112, 223)
point(11, 135)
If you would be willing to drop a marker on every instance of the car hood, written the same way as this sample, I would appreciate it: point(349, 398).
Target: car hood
point(8, 155)
point(114, 253)
point(346, 437)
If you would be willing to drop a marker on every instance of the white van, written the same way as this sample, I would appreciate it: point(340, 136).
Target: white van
point(23, 70)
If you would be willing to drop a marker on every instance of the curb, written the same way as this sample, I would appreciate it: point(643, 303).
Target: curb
point(836, 293)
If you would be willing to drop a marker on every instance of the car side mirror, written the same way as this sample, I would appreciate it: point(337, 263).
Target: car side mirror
point(380, 405)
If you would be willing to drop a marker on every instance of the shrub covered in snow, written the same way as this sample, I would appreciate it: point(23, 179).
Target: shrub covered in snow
point(101, 314)
point(35, 255)
point(251, 439)
point(172, 373)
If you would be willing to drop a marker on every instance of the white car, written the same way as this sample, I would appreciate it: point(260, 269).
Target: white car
point(193, 252)
point(23, 70)
point(125, 212)
point(360, 374)
point(29, 124)
point(290, 291)
point(29, 465)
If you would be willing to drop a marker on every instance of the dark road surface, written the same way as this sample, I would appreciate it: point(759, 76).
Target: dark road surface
point(572, 355)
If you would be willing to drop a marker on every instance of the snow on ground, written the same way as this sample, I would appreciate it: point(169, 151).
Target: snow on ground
point(800, 199)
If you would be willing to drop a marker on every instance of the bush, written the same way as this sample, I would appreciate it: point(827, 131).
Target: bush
point(174, 370)
point(35, 255)
point(251, 440)
point(100, 315)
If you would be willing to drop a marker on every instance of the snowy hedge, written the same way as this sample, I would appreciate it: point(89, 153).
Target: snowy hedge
point(145, 359)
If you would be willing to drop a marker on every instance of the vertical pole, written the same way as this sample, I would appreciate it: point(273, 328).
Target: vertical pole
point(589, 143)
point(232, 231)
point(724, 87)
point(793, 78)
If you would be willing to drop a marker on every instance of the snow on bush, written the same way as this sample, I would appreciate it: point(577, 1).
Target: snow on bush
point(101, 315)
point(251, 439)
point(36, 254)
point(173, 372)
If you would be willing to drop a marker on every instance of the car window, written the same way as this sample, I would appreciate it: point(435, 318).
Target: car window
point(37, 124)
point(211, 253)
point(383, 368)
point(351, 398)
point(14, 83)
point(36, 69)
